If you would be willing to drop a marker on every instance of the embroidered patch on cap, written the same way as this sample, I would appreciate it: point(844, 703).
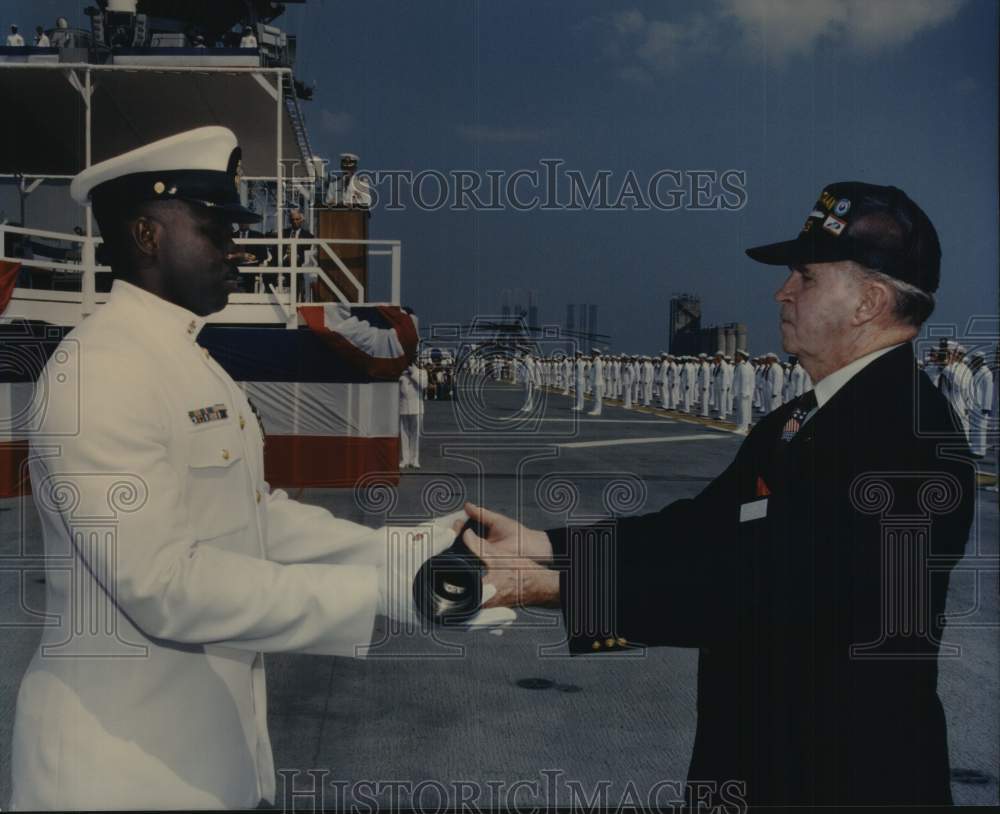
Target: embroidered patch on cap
point(834, 225)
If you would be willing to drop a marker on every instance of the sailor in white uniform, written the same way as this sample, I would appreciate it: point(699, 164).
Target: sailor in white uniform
point(597, 372)
point(580, 373)
point(774, 382)
point(664, 376)
point(675, 382)
point(982, 402)
point(628, 377)
point(956, 384)
point(647, 381)
point(728, 373)
point(171, 564)
point(704, 383)
point(689, 383)
point(411, 406)
point(743, 387)
point(349, 190)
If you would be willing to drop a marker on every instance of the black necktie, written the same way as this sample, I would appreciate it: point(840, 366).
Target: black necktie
point(800, 409)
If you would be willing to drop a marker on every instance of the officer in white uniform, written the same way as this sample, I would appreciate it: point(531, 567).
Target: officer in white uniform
point(704, 383)
point(628, 377)
point(774, 382)
point(956, 384)
point(597, 372)
point(14, 40)
point(647, 381)
point(982, 402)
point(718, 384)
point(411, 406)
point(664, 375)
point(348, 190)
point(728, 370)
point(249, 39)
point(580, 371)
point(743, 387)
point(171, 564)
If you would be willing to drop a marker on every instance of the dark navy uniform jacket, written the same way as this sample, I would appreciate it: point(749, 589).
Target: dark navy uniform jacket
point(812, 576)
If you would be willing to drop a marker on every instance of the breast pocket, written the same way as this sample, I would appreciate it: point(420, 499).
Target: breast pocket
point(217, 488)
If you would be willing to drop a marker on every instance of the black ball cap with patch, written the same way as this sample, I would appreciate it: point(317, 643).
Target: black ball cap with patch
point(879, 227)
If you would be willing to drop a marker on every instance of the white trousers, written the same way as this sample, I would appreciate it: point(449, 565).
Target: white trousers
point(978, 424)
point(409, 439)
point(742, 413)
point(598, 401)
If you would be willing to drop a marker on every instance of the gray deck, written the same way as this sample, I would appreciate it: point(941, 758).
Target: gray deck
point(452, 710)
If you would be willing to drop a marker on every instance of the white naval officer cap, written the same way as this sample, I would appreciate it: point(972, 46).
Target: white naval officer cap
point(771, 355)
point(351, 157)
point(200, 166)
point(743, 353)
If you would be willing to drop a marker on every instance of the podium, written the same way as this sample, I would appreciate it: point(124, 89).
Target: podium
point(342, 223)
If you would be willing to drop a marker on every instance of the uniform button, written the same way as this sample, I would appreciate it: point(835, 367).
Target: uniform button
point(595, 646)
point(242, 423)
point(622, 642)
point(225, 454)
point(191, 326)
point(609, 642)
point(258, 495)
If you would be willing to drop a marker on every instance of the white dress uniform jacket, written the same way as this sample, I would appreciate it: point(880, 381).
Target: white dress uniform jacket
point(171, 567)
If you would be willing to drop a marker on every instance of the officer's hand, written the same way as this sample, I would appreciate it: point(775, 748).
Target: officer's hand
point(518, 582)
point(505, 537)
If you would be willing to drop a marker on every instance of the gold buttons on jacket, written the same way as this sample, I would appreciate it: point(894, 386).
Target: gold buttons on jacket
point(595, 646)
point(622, 642)
point(243, 422)
point(258, 495)
point(225, 454)
point(191, 326)
point(609, 642)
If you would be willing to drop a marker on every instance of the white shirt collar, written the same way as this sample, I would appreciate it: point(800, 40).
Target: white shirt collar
point(172, 317)
point(827, 388)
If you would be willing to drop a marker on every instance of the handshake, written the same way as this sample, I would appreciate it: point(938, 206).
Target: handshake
point(491, 565)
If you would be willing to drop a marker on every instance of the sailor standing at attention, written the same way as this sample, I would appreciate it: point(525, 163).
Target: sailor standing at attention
point(982, 403)
point(704, 383)
point(743, 387)
point(775, 383)
point(411, 405)
point(664, 381)
point(147, 690)
point(579, 381)
point(597, 371)
point(628, 376)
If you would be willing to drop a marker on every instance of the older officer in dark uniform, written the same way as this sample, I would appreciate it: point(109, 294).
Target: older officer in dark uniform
point(812, 573)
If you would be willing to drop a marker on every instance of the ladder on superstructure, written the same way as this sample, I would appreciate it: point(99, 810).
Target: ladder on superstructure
point(296, 118)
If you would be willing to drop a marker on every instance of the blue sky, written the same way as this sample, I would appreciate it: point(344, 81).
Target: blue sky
point(795, 93)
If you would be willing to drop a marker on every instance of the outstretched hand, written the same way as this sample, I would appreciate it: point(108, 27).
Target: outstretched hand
point(515, 557)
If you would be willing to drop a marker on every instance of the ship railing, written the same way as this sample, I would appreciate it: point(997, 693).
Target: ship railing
point(310, 249)
point(80, 275)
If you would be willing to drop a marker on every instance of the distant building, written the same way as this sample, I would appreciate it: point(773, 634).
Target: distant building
point(519, 302)
point(688, 337)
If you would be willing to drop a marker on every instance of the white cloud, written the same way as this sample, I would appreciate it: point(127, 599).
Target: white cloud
point(501, 135)
point(337, 123)
point(791, 27)
point(641, 48)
